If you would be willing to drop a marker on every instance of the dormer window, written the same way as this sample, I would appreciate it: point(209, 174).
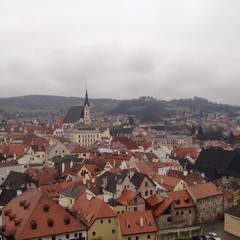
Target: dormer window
point(7, 212)
point(21, 203)
point(45, 208)
point(50, 222)
point(67, 220)
point(33, 225)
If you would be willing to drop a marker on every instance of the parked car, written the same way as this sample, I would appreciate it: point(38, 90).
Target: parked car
point(214, 236)
point(202, 237)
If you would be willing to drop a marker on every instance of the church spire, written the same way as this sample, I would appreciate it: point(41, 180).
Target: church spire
point(86, 102)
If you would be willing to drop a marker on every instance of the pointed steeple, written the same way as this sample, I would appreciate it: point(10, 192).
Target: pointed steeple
point(86, 102)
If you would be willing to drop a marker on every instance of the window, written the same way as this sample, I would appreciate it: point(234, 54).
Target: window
point(181, 212)
point(137, 238)
point(146, 184)
point(46, 208)
point(129, 238)
point(67, 220)
point(149, 236)
point(67, 235)
point(109, 220)
point(50, 222)
point(176, 213)
point(146, 193)
point(94, 233)
point(113, 231)
point(75, 235)
point(34, 225)
point(169, 219)
point(151, 192)
point(53, 238)
point(190, 211)
point(101, 221)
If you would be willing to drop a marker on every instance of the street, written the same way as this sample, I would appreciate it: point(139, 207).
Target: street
point(218, 227)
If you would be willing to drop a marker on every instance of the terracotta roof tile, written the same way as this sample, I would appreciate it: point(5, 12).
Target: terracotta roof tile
point(181, 199)
point(33, 210)
point(88, 208)
point(204, 190)
point(136, 223)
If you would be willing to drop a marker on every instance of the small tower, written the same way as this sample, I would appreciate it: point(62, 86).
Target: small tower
point(86, 110)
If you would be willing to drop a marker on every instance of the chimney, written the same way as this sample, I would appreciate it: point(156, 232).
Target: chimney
point(63, 167)
point(141, 221)
point(162, 181)
point(185, 173)
point(71, 164)
point(84, 181)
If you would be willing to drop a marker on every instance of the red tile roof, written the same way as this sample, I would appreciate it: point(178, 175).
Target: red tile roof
point(126, 197)
point(181, 199)
point(154, 200)
point(136, 223)
point(162, 207)
point(204, 190)
point(89, 208)
point(145, 168)
point(33, 209)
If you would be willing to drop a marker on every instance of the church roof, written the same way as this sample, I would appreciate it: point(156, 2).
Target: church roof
point(74, 114)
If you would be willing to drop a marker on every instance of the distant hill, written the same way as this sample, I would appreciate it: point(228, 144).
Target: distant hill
point(147, 109)
point(46, 103)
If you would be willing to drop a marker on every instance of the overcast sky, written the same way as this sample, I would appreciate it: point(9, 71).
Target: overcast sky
point(121, 49)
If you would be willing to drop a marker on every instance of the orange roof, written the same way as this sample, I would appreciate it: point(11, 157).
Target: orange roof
point(52, 190)
point(12, 149)
point(90, 208)
point(154, 200)
point(228, 194)
point(181, 199)
point(136, 222)
point(144, 167)
point(204, 190)
point(162, 207)
point(126, 197)
point(33, 209)
point(166, 180)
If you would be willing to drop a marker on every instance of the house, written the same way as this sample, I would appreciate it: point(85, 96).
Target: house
point(170, 183)
point(99, 218)
point(85, 136)
point(57, 148)
point(136, 226)
point(7, 167)
point(132, 201)
point(69, 195)
point(113, 184)
point(183, 208)
point(143, 184)
point(216, 163)
point(208, 199)
point(32, 215)
point(232, 221)
point(18, 181)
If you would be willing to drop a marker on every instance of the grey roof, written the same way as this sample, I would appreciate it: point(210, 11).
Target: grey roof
point(108, 181)
point(235, 210)
point(74, 114)
point(16, 180)
point(74, 191)
point(65, 158)
point(217, 162)
point(7, 195)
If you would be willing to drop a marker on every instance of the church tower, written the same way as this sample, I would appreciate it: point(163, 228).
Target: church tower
point(86, 110)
